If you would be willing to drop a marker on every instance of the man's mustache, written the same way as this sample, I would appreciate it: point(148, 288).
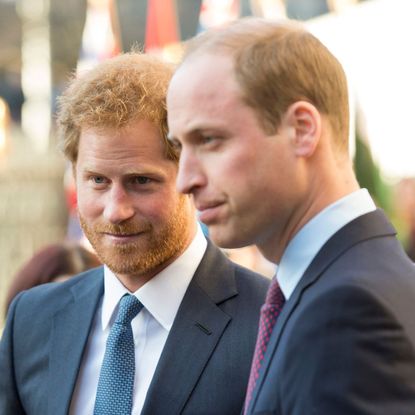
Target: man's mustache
point(122, 229)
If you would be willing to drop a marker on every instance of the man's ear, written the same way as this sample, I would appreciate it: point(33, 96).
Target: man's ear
point(304, 122)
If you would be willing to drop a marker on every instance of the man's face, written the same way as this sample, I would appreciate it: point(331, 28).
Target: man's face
point(128, 205)
point(239, 176)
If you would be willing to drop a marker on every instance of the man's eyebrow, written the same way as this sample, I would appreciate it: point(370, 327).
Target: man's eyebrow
point(192, 133)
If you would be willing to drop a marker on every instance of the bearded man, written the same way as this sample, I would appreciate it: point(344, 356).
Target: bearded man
point(168, 324)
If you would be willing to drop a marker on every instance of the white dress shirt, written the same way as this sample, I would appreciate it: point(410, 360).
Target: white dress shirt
point(305, 245)
point(161, 297)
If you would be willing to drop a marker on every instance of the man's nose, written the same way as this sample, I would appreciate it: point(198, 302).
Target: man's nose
point(119, 205)
point(190, 175)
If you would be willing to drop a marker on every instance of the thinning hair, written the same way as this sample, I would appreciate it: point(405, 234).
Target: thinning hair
point(116, 92)
point(277, 63)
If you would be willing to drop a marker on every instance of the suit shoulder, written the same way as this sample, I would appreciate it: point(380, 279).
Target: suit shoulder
point(53, 293)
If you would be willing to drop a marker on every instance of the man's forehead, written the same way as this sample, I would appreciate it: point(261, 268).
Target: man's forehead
point(202, 77)
point(199, 66)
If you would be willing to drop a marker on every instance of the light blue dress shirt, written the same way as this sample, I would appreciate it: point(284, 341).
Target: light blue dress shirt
point(305, 245)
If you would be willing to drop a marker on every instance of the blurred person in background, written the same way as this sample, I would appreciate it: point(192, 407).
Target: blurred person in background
point(405, 211)
point(55, 262)
point(250, 257)
point(4, 127)
point(168, 324)
point(259, 111)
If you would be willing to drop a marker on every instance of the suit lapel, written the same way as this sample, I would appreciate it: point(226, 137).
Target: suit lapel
point(196, 331)
point(70, 330)
point(370, 225)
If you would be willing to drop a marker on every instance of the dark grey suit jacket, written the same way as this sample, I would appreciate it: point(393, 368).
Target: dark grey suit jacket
point(344, 343)
point(204, 366)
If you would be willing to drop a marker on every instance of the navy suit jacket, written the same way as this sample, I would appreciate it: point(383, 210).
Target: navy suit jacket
point(344, 343)
point(204, 366)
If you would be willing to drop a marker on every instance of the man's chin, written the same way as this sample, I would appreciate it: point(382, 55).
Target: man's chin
point(225, 238)
point(129, 263)
point(116, 252)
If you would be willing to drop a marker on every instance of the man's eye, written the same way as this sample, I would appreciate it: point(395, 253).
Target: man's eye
point(207, 139)
point(98, 179)
point(141, 180)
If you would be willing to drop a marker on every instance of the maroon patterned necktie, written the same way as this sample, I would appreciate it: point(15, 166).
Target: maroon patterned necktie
point(269, 314)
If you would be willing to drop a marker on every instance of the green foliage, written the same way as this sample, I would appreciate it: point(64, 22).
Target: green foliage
point(369, 175)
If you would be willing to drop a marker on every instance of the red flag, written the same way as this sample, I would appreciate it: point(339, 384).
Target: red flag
point(161, 26)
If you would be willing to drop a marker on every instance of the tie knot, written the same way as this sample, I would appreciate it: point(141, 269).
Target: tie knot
point(129, 307)
point(275, 295)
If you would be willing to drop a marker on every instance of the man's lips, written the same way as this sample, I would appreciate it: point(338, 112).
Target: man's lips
point(209, 212)
point(122, 237)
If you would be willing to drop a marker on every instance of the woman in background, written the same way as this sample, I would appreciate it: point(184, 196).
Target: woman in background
point(55, 262)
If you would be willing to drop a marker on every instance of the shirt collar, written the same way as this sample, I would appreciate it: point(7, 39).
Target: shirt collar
point(162, 295)
point(310, 239)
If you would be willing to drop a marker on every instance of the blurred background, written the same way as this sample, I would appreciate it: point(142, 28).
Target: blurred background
point(44, 42)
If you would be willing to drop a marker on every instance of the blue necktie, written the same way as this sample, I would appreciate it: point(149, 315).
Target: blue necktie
point(116, 380)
